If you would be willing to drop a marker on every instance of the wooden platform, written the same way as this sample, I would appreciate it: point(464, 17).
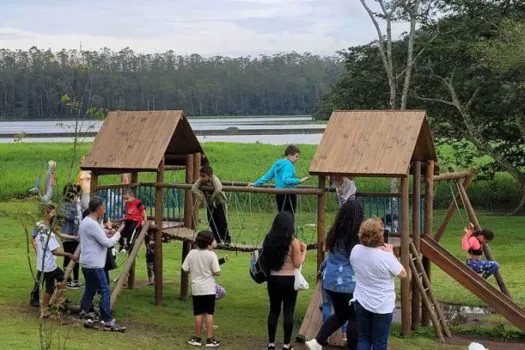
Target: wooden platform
point(313, 320)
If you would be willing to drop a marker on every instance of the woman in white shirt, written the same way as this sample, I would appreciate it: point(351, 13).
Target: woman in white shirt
point(375, 268)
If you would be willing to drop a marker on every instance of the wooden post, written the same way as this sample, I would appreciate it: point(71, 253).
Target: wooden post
point(159, 210)
point(486, 249)
point(188, 222)
point(129, 263)
point(452, 207)
point(405, 258)
point(429, 212)
point(197, 160)
point(416, 235)
point(93, 184)
point(131, 277)
point(321, 202)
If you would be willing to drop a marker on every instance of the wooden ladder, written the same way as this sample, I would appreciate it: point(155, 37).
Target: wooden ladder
point(430, 302)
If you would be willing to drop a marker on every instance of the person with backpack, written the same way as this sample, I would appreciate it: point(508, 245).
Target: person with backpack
point(473, 242)
point(283, 253)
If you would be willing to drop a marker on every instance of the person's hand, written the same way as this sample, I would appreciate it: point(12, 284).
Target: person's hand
point(251, 184)
point(73, 257)
point(471, 226)
point(226, 258)
point(304, 179)
point(388, 248)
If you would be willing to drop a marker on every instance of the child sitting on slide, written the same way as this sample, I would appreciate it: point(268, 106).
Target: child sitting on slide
point(473, 242)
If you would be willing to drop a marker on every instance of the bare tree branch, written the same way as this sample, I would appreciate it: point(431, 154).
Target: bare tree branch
point(410, 53)
point(450, 103)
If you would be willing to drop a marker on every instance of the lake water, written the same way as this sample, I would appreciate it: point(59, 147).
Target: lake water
point(261, 129)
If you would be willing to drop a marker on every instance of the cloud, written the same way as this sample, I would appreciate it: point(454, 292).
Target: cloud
point(207, 27)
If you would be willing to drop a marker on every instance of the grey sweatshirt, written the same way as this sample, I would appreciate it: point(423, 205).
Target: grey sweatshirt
point(94, 244)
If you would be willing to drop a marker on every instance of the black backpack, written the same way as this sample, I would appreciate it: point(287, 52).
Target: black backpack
point(258, 268)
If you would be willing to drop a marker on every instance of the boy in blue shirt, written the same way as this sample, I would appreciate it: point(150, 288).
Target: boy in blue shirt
point(283, 171)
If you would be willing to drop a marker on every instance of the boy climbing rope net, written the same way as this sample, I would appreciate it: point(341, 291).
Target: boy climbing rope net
point(473, 242)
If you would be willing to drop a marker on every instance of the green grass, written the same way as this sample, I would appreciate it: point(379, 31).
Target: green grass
point(20, 164)
point(241, 315)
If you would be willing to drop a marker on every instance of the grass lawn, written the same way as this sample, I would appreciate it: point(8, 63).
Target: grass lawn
point(241, 316)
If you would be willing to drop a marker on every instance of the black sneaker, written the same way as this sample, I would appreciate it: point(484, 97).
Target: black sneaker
point(114, 327)
point(212, 343)
point(195, 341)
point(85, 316)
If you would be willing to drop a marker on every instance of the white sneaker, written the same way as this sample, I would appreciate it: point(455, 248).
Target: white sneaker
point(313, 345)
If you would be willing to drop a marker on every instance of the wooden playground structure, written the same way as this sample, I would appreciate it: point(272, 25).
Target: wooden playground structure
point(387, 144)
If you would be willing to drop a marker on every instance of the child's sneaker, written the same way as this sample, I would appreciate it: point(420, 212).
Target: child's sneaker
point(72, 285)
point(212, 343)
point(313, 345)
point(113, 326)
point(195, 341)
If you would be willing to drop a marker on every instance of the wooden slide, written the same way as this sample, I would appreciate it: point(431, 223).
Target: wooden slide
point(457, 269)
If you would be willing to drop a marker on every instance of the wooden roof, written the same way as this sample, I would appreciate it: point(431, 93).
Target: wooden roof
point(373, 143)
point(138, 141)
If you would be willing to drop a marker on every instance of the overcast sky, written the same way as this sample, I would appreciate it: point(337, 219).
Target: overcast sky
point(206, 27)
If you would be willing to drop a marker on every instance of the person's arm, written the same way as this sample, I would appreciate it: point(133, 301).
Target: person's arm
point(57, 252)
point(217, 188)
point(186, 264)
point(289, 175)
point(100, 236)
point(266, 177)
point(298, 252)
point(197, 192)
point(215, 267)
point(396, 269)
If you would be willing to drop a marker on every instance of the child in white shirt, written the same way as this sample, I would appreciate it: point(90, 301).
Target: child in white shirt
point(203, 265)
point(344, 187)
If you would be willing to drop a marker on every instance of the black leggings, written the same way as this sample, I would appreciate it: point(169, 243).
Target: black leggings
point(281, 292)
point(343, 312)
point(218, 223)
point(286, 202)
point(70, 247)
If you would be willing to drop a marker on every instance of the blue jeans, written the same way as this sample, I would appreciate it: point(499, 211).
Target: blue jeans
point(327, 309)
point(96, 280)
point(373, 329)
point(488, 267)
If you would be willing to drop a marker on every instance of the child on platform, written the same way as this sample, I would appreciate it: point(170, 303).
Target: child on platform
point(344, 187)
point(47, 249)
point(203, 265)
point(473, 242)
point(150, 258)
point(71, 213)
point(208, 189)
point(135, 216)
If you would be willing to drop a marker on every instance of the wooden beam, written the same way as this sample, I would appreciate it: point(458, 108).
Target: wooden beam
point(429, 212)
point(405, 258)
point(159, 210)
point(451, 176)
point(452, 207)
point(93, 184)
point(246, 189)
point(189, 223)
point(129, 262)
point(486, 249)
point(321, 235)
point(416, 235)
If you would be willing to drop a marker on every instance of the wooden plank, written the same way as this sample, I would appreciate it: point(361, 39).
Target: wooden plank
point(321, 235)
point(452, 176)
point(129, 262)
point(452, 207)
point(189, 223)
point(159, 209)
point(405, 259)
point(380, 142)
point(429, 212)
point(416, 233)
point(486, 249)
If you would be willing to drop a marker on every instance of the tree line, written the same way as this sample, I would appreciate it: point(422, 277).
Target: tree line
point(33, 82)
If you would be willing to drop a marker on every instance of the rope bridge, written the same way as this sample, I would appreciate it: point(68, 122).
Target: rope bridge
point(249, 214)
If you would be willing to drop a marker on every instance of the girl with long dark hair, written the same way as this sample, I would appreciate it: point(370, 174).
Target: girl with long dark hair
point(284, 253)
point(338, 275)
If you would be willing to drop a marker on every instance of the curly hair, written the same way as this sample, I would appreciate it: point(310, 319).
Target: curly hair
point(277, 242)
point(71, 191)
point(371, 233)
point(204, 239)
point(344, 232)
point(488, 234)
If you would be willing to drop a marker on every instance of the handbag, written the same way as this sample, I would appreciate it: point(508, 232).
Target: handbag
point(258, 268)
point(300, 282)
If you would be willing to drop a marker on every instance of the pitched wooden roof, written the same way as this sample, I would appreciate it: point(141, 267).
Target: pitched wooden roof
point(373, 143)
point(138, 141)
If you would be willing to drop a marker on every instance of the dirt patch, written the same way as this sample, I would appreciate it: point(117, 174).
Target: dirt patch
point(491, 344)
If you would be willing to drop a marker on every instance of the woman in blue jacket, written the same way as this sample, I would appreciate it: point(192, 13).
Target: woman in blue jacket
point(283, 171)
point(338, 275)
